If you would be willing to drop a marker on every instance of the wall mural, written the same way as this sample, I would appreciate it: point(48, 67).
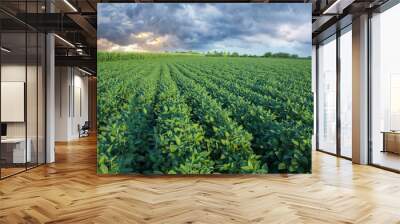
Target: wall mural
point(204, 88)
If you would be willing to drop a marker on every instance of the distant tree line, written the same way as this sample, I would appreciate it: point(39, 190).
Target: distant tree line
point(227, 54)
point(280, 55)
point(266, 55)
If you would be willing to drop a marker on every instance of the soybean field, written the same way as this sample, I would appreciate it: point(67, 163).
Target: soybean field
point(192, 114)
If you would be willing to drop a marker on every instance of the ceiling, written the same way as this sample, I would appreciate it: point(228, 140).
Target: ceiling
point(74, 22)
point(330, 15)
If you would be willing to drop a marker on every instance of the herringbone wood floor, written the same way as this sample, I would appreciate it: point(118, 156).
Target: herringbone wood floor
point(69, 191)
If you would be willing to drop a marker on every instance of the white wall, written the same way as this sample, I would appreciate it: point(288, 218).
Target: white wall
point(14, 72)
point(62, 82)
point(33, 126)
point(70, 83)
point(17, 73)
point(79, 117)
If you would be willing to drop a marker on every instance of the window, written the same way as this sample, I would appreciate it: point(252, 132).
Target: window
point(385, 89)
point(22, 77)
point(346, 92)
point(327, 95)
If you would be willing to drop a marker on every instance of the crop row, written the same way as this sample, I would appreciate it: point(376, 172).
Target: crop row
point(279, 143)
point(198, 115)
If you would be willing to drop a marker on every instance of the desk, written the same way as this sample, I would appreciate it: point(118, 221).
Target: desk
point(391, 141)
point(15, 148)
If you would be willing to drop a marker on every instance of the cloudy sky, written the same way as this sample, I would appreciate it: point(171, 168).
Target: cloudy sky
point(243, 28)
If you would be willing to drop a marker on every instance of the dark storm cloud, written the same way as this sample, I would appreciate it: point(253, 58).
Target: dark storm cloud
point(247, 28)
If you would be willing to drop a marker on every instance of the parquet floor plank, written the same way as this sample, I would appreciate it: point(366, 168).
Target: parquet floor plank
point(70, 191)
